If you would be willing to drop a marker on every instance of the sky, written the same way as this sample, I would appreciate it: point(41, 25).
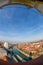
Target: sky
point(20, 23)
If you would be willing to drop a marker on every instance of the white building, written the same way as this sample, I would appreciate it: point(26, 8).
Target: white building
point(6, 45)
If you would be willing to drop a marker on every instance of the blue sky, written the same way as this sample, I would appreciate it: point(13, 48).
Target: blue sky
point(19, 23)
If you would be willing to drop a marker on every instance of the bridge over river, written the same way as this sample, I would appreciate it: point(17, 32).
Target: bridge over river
point(17, 56)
